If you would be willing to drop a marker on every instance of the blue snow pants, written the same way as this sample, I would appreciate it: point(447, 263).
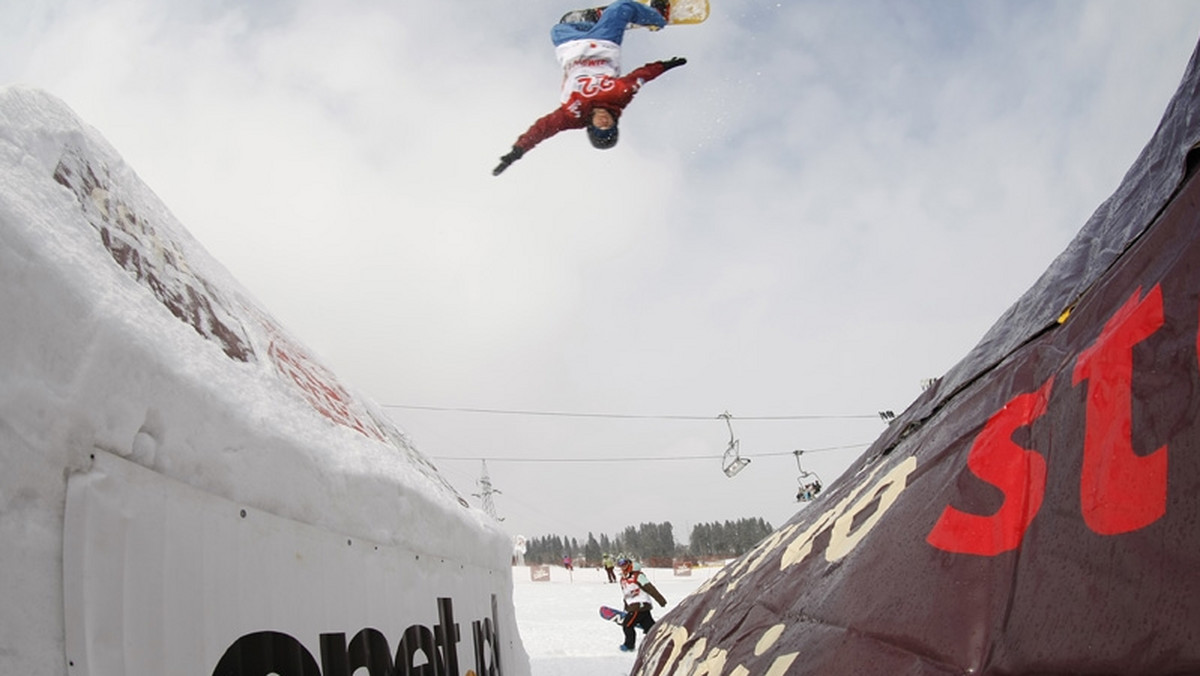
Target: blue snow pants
point(611, 25)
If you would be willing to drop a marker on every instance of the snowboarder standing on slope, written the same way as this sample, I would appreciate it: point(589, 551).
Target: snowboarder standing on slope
point(593, 92)
point(638, 591)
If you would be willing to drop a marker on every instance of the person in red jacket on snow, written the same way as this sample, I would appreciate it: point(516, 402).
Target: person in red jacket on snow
point(593, 92)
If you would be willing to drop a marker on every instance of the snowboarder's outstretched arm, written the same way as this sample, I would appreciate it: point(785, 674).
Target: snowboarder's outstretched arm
point(545, 127)
point(653, 69)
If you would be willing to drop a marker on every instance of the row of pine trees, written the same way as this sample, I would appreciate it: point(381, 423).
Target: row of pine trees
point(652, 543)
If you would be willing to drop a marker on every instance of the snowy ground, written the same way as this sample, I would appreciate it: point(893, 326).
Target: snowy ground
point(560, 622)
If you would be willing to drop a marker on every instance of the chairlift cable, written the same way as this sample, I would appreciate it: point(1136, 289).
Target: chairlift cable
point(626, 416)
point(707, 458)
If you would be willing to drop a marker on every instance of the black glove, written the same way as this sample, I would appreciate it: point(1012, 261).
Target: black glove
point(673, 62)
point(507, 160)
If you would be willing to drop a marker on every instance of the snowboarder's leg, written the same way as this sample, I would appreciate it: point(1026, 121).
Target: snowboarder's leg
point(565, 32)
point(630, 636)
point(611, 25)
point(619, 15)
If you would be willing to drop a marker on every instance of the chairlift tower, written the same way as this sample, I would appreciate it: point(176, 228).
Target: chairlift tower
point(486, 492)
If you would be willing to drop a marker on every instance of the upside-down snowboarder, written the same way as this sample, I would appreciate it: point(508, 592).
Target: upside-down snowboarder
point(594, 94)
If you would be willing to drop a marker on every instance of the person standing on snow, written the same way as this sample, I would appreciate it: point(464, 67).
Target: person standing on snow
point(638, 591)
point(593, 92)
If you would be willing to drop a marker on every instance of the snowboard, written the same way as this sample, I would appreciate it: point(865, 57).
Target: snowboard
point(682, 12)
point(613, 615)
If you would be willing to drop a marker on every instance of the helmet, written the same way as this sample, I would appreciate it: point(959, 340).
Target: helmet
point(603, 139)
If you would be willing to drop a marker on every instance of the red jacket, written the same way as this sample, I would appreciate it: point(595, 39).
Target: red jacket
point(611, 94)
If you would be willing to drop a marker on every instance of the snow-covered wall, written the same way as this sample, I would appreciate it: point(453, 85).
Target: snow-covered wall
point(144, 399)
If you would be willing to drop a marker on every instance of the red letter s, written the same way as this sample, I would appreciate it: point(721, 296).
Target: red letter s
point(1019, 473)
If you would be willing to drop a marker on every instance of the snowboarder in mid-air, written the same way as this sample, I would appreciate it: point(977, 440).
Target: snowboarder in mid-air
point(594, 94)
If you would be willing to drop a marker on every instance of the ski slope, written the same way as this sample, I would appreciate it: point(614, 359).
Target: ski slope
point(560, 622)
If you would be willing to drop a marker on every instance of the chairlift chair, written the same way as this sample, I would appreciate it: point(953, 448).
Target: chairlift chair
point(810, 483)
point(732, 462)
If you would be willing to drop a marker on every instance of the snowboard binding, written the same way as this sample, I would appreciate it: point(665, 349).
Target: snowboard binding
point(591, 15)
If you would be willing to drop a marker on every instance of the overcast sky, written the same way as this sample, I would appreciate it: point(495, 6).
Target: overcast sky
point(829, 203)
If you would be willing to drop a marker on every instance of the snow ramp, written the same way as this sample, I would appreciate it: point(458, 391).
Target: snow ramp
point(1037, 511)
point(186, 489)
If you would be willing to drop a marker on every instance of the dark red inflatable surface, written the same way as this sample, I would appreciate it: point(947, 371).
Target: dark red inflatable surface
point(1035, 512)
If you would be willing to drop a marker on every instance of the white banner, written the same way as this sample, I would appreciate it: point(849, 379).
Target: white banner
point(161, 578)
